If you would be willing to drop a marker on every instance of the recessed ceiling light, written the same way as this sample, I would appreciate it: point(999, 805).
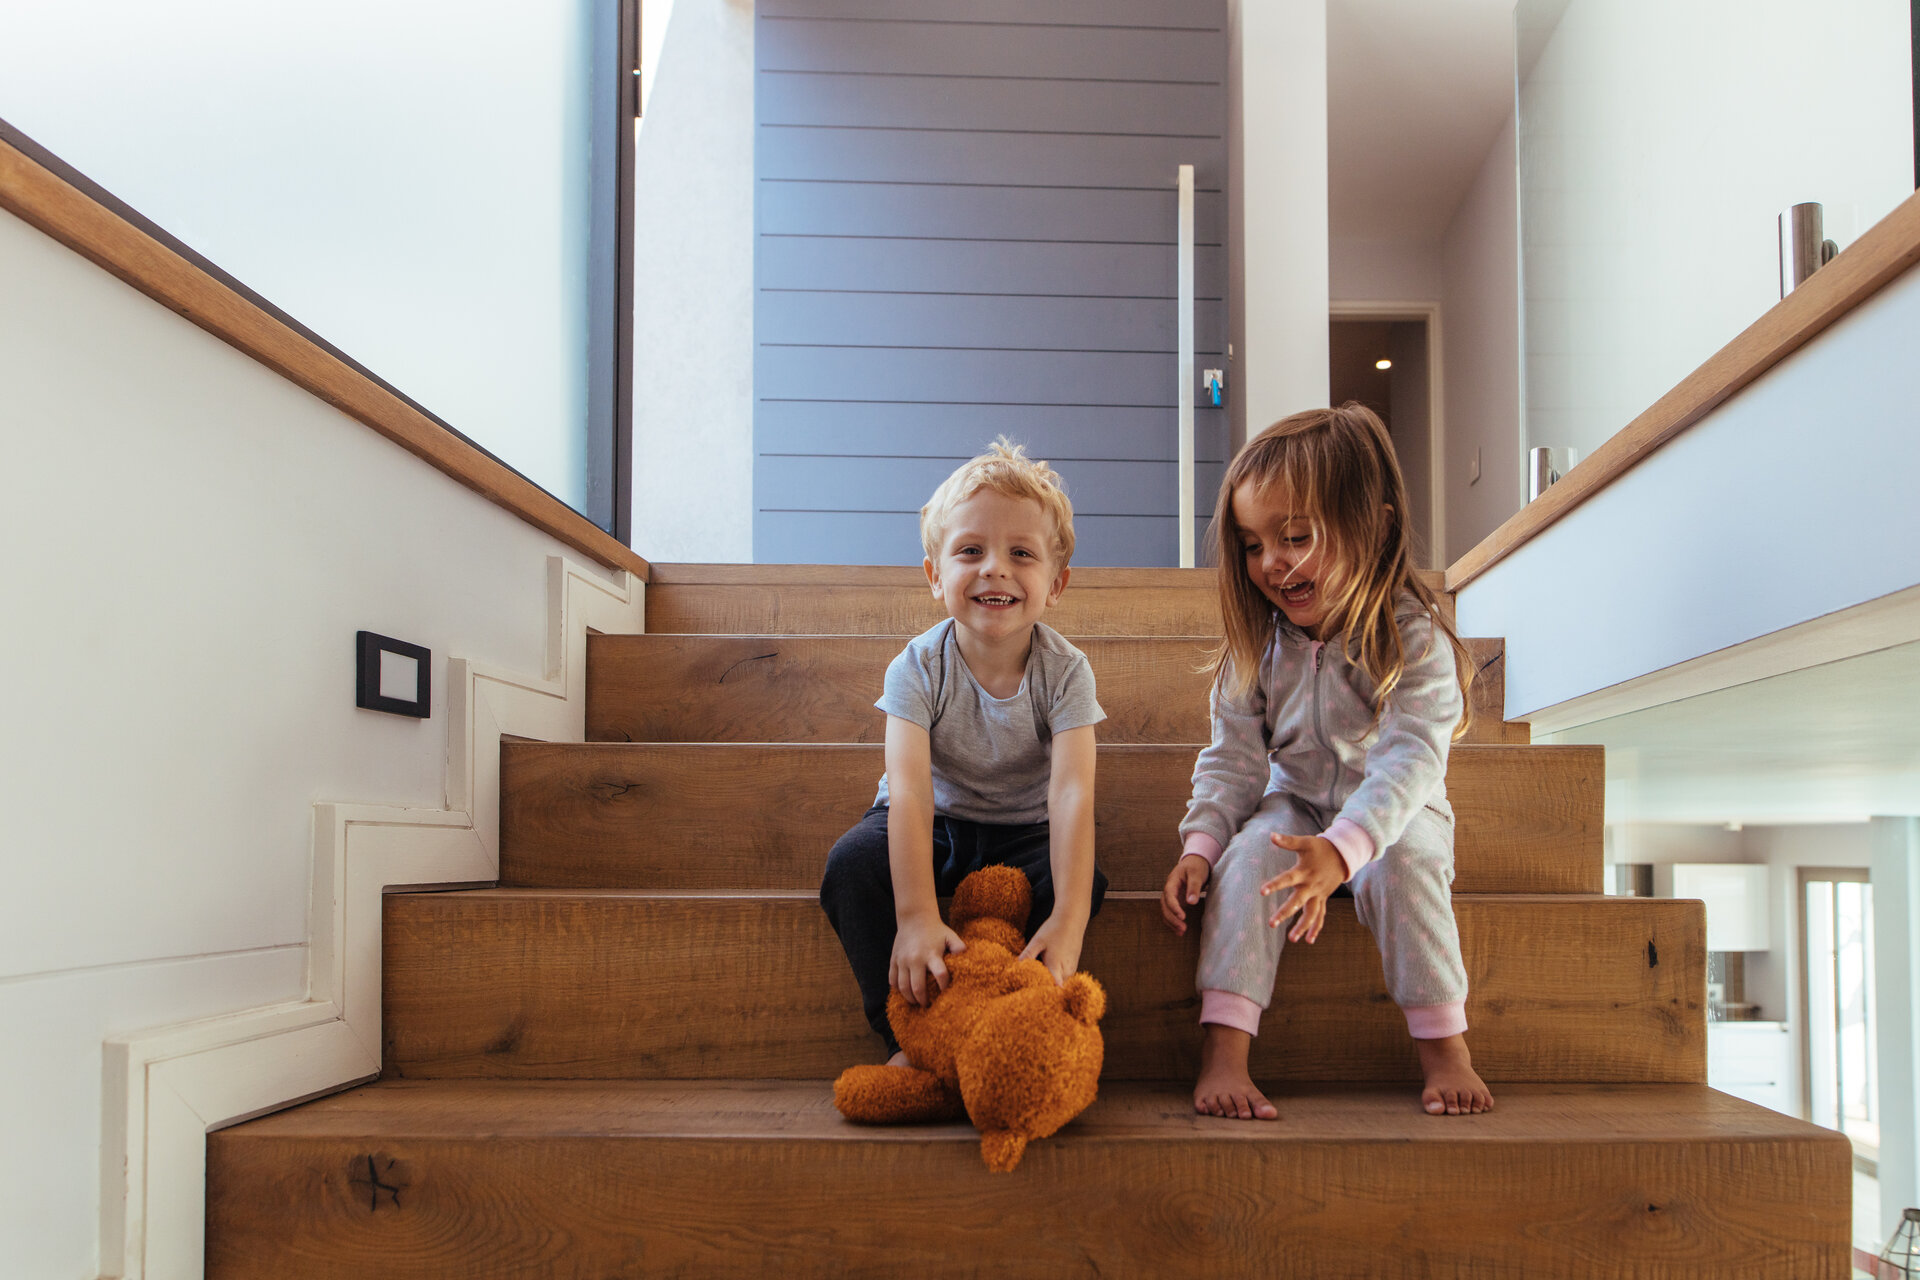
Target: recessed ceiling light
point(1383, 364)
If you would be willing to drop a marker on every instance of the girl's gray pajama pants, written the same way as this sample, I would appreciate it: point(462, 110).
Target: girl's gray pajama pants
point(1403, 897)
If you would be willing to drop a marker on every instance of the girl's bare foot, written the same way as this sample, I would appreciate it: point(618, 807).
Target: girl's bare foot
point(1225, 1088)
point(1454, 1088)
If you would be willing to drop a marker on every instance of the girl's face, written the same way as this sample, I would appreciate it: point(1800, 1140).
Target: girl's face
point(1281, 555)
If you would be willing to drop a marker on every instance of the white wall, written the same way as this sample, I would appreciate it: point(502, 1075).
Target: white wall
point(693, 292)
point(1480, 310)
point(1277, 208)
point(1792, 500)
point(409, 180)
point(192, 544)
point(1658, 142)
point(1382, 271)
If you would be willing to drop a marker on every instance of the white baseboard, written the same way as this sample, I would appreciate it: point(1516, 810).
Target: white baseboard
point(167, 1089)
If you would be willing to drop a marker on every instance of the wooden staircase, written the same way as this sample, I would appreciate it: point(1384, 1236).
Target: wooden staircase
point(616, 1063)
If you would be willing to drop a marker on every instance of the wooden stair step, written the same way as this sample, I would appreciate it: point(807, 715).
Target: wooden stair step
point(733, 816)
point(766, 688)
point(477, 1179)
point(893, 600)
point(537, 983)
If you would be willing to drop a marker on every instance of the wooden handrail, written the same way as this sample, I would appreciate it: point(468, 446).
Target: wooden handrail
point(78, 219)
point(1867, 265)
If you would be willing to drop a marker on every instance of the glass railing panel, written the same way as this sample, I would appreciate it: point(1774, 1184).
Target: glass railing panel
point(419, 184)
point(1658, 142)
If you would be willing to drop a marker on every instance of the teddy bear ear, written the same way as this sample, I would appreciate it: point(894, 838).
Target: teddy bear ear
point(1086, 999)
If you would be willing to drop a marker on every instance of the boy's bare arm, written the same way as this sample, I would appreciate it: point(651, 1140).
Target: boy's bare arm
point(922, 939)
point(1070, 817)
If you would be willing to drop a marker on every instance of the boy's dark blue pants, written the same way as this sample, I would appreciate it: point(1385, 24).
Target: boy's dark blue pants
point(857, 890)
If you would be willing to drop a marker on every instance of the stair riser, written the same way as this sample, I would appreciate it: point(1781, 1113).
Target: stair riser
point(542, 985)
point(670, 688)
point(1529, 820)
point(592, 1207)
point(836, 610)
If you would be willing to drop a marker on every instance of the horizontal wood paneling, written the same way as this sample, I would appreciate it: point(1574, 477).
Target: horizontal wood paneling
point(881, 575)
point(908, 375)
point(960, 266)
point(593, 815)
point(825, 207)
point(487, 1180)
point(541, 984)
point(837, 609)
point(1096, 488)
point(1045, 325)
point(975, 49)
point(884, 154)
point(962, 430)
point(1019, 106)
point(860, 537)
point(950, 213)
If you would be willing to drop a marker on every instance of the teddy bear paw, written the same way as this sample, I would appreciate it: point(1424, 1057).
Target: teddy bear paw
point(894, 1095)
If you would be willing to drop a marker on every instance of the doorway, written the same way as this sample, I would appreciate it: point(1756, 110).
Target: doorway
point(1837, 1006)
point(1388, 361)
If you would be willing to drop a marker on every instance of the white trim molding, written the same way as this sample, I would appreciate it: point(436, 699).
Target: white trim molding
point(166, 1089)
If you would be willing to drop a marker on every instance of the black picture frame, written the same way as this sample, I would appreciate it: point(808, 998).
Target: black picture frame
point(368, 646)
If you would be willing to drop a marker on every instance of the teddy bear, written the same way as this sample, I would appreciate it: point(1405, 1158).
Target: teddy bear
point(1017, 1054)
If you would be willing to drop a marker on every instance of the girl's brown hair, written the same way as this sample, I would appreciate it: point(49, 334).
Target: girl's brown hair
point(1339, 468)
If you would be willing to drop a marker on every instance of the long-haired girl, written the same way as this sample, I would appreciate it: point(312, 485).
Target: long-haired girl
point(1337, 692)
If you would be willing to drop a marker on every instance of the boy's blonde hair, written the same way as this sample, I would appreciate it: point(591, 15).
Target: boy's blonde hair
point(1004, 468)
point(1339, 468)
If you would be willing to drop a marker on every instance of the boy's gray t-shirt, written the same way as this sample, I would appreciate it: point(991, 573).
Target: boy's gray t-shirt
point(992, 757)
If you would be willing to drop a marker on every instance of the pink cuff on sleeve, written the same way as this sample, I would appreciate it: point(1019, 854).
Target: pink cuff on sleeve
point(1230, 1009)
point(1428, 1022)
point(1199, 842)
point(1353, 842)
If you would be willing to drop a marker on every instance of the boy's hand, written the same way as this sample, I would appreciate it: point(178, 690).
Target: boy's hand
point(1056, 944)
point(1319, 872)
point(919, 961)
point(1184, 885)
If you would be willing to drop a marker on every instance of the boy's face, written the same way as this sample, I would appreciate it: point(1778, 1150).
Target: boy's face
point(994, 574)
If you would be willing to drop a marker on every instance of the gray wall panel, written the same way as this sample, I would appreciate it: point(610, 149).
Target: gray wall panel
point(906, 375)
point(836, 484)
point(1178, 14)
point(962, 430)
point(885, 154)
point(979, 266)
point(794, 207)
point(1019, 106)
point(982, 320)
point(977, 49)
point(965, 228)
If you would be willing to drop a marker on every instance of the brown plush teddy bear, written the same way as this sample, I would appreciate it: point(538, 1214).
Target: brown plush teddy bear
point(1021, 1055)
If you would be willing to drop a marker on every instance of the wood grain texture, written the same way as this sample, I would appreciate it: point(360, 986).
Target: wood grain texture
point(541, 983)
point(471, 1179)
point(97, 233)
point(1887, 249)
point(699, 816)
point(861, 608)
point(888, 575)
point(682, 688)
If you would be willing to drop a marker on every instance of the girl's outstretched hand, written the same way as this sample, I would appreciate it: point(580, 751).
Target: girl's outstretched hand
point(1183, 887)
point(1313, 879)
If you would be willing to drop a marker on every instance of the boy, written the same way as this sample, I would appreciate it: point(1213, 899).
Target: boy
point(990, 745)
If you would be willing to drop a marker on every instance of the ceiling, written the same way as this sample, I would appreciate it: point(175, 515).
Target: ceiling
point(1831, 743)
point(1416, 92)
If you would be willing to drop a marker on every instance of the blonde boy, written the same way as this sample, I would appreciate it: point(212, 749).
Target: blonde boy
point(990, 745)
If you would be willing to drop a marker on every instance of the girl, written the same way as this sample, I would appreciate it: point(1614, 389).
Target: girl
point(1337, 691)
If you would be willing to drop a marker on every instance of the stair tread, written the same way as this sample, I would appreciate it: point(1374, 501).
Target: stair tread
point(802, 1110)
